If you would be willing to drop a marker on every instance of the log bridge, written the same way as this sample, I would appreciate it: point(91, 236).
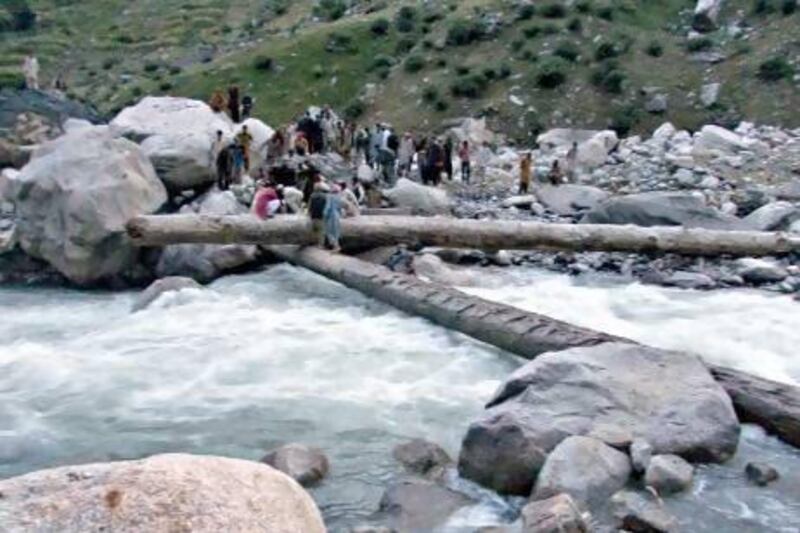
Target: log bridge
point(774, 406)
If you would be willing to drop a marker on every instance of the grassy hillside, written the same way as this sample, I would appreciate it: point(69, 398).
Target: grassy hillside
point(416, 64)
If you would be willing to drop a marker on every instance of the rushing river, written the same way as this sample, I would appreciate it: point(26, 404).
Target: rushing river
point(285, 355)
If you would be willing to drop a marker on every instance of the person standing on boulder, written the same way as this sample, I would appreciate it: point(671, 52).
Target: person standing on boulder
point(233, 104)
point(448, 158)
point(572, 162)
point(556, 175)
point(247, 106)
point(224, 167)
point(217, 102)
point(466, 164)
point(405, 154)
point(245, 140)
point(317, 203)
point(525, 173)
point(332, 216)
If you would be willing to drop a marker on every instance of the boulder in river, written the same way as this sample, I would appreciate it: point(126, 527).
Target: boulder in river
point(641, 453)
point(613, 392)
point(305, 464)
point(160, 287)
point(421, 456)
point(431, 267)
point(635, 512)
point(570, 199)
point(182, 161)
point(585, 468)
point(668, 474)
point(760, 270)
point(421, 199)
point(172, 492)
point(761, 474)
point(419, 505)
point(661, 209)
point(74, 198)
point(775, 216)
point(558, 514)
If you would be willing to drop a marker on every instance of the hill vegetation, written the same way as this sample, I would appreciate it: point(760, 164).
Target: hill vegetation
point(526, 66)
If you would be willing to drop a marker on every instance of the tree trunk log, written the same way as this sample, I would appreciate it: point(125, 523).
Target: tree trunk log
point(374, 231)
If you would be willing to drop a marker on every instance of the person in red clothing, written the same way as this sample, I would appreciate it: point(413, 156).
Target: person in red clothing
point(266, 202)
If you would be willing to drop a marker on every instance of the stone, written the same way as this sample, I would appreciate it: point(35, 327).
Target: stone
point(569, 199)
point(587, 469)
point(182, 160)
point(74, 198)
point(661, 209)
point(168, 115)
point(664, 132)
point(502, 258)
point(420, 199)
point(761, 474)
point(636, 513)
point(206, 262)
point(717, 138)
point(419, 505)
point(760, 270)
point(475, 131)
point(775, 216)
point(72, 124)
point(160, 287)
point(657, 104)
point(173, 492)
point(8, 178)
point(421, 456)
point(614, 392)
point(641, 452)
point(709, 94)
point(789, 191)
point(433, 268)
point(564, 137)
point(558, 514)
point(520, 202)
point(305, 464)
point(685, 177)
point(668, 474)
point(689, 280)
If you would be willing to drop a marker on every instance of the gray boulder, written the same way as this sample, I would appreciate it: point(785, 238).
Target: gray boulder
point(420, 199)
point(613, 392)
point(634, 512)
point(421, 456)
point(789, 191)
point(661, 209)
point(641, 453)
point(430, 266)
point(775, 216)
point(206, 262)
point(668, 474)
point(761, 474)
point(706, 15)
point(689, 280)
point(657, 104)
point(760, 270)
point(570, 199)
point(524, 201)
point(559, 514)
point(74, 198)
point(419, 505)
point(182, 161)
point(305, 464)
point(161, 286)
point(162, 493)
point(709, 94)
point(585, 468)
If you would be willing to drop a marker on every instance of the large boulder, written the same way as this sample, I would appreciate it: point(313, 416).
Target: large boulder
point(160, 287)
point(757, 270)
point(661, 209)
point(307, 465)
point(613, 392)
point(559, 514)
point(177, 135)
point(593, 146)
point(474, 131)
point(789, 191)
point(421, 456)
point(706, 14)
point(668, 474)
point(74, 198)
point(433, 268)
point(420, 199)
point(162, 493)
point(775, 216)
point(419, 505)
point(206, 262)
point(585, 468)
point(718, 140)
point(634, 512)
point(570, 199)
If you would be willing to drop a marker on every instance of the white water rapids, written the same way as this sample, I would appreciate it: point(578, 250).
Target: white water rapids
point(285, 355)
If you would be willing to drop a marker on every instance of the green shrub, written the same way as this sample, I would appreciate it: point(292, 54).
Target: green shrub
point(462, 70)
point(406, 19)
point(165, 86)
point(382, 62)
point(700, 44)
point(463, 32)
point(404, 45)
point(655, 49)
point(174, 70)
point(380, 27)
point(23, 18)
point(490, 73)
point(531, 32)
point(528, 55)
point(441, 105)
point(763, 7)
point(584, 6)
point(264, 63)
point(568, 51)
point(788, 7)
point(517, 44)
point(330, 9)
point(505, 72)
point(11, 80)
point(355, 110)
point(606, 13)
point(551, 73)
point(340, 43)
point(605, 50)
point(151, 67)
point(137, 91)
point(624, 119)
point(575, 25)
point(469, 86)
point(526, 12)
point(554, 10)
point(124, 38)
point(430, 94)
point(414, 63)
point(775, 69)
point(609, 78)
point(318, 71)
point(109, 63)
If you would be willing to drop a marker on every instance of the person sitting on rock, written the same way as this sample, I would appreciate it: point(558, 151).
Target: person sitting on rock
point(245, 139)
point(556, 175)
point(292, 199)
point(349, 201)
point(525, 173)
point(316, 211)
point(266, 201)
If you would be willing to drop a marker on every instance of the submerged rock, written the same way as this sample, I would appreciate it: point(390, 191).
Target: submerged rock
point(634, 512)
point(161, 286)
point(433, 268)
point(305, 464)
point(558, 514)
point(613, 392)
point(761, 270)
point(761, 474)
point(418, 505)
point(421, 456)
point(172, 492)
point(584, 468)
point(668, 474)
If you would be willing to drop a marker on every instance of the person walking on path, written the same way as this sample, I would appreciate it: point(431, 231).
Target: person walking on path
point(525, 173)
point(464, 157)
point(332, 216)
point(448, 158)
point(317, 204)
point(233, 104)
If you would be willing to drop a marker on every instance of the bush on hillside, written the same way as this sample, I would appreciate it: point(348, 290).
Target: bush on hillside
point(575, 25)
point(551, 73)
point(605, 50)
point(568, 51)
point(789, 7)
point(330, 10)
point(404, 45)
point(655, 49)
point(606, 13)
point(505, 72)
point(11, 80)
point(382, 62)
point(700, 44)
point(355, 110)
point(469, 86)
point(554, 10)
point(624, 119)
point(414, 63)
point(463, 32)
point(609, 77)
point(526, 12)
point(380, 27)
point(763, 7)
point(775, 69)
point(22, 17)
point(263, 63)
point(531, 32)
point(430, 94)
point(441, 105)
point(406, 19)
point(584, 6)
point(462, 70)
point(490, 73)
point(151, 67)
point(517, 45)
point(340, 43)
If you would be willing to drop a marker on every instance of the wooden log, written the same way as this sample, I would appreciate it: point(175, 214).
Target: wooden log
point(374, 231)
point(774, 406)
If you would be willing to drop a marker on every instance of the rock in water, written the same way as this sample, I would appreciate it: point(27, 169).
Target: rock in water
point(421, 199)
point(570, 199)
point(636, 513)
point(585, 468)
point(161, 286)
point(558, 514)
point(668, 474)
point(74, 198)
point(434, 269)
point(182, 161)
point(641, 453)
point(305, 464)
point(172, 492)
point(421, 456)
point(761, 474)
point(661, 209)
point(418, 505)
point(613, 392)
point(775, 216)
point(690, 280)
point(760, 270)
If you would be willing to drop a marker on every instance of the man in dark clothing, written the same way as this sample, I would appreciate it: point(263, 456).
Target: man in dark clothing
point(224, 167)
point(233, 104)
point(247, 106)
point(316, 211)
point(448, 158)
point(435, 162)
